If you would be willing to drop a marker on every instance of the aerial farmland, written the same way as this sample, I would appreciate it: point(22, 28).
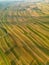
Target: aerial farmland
point(24, 33)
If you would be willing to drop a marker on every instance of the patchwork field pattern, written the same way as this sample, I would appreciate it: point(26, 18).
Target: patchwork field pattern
point(24, 33)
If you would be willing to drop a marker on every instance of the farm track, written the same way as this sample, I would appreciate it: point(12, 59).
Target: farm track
point(24, 39)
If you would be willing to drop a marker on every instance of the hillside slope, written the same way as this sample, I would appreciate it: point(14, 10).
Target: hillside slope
point(24, 34)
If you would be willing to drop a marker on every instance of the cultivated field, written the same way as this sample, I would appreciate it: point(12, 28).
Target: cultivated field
point(24, 33)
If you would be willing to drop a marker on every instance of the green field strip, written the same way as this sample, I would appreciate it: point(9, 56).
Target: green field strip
point(45, 36)
point(36, 33)
point(4, 30)
point(4, 57)
point(44, 22)
point(40, 20)
point(45, 27)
